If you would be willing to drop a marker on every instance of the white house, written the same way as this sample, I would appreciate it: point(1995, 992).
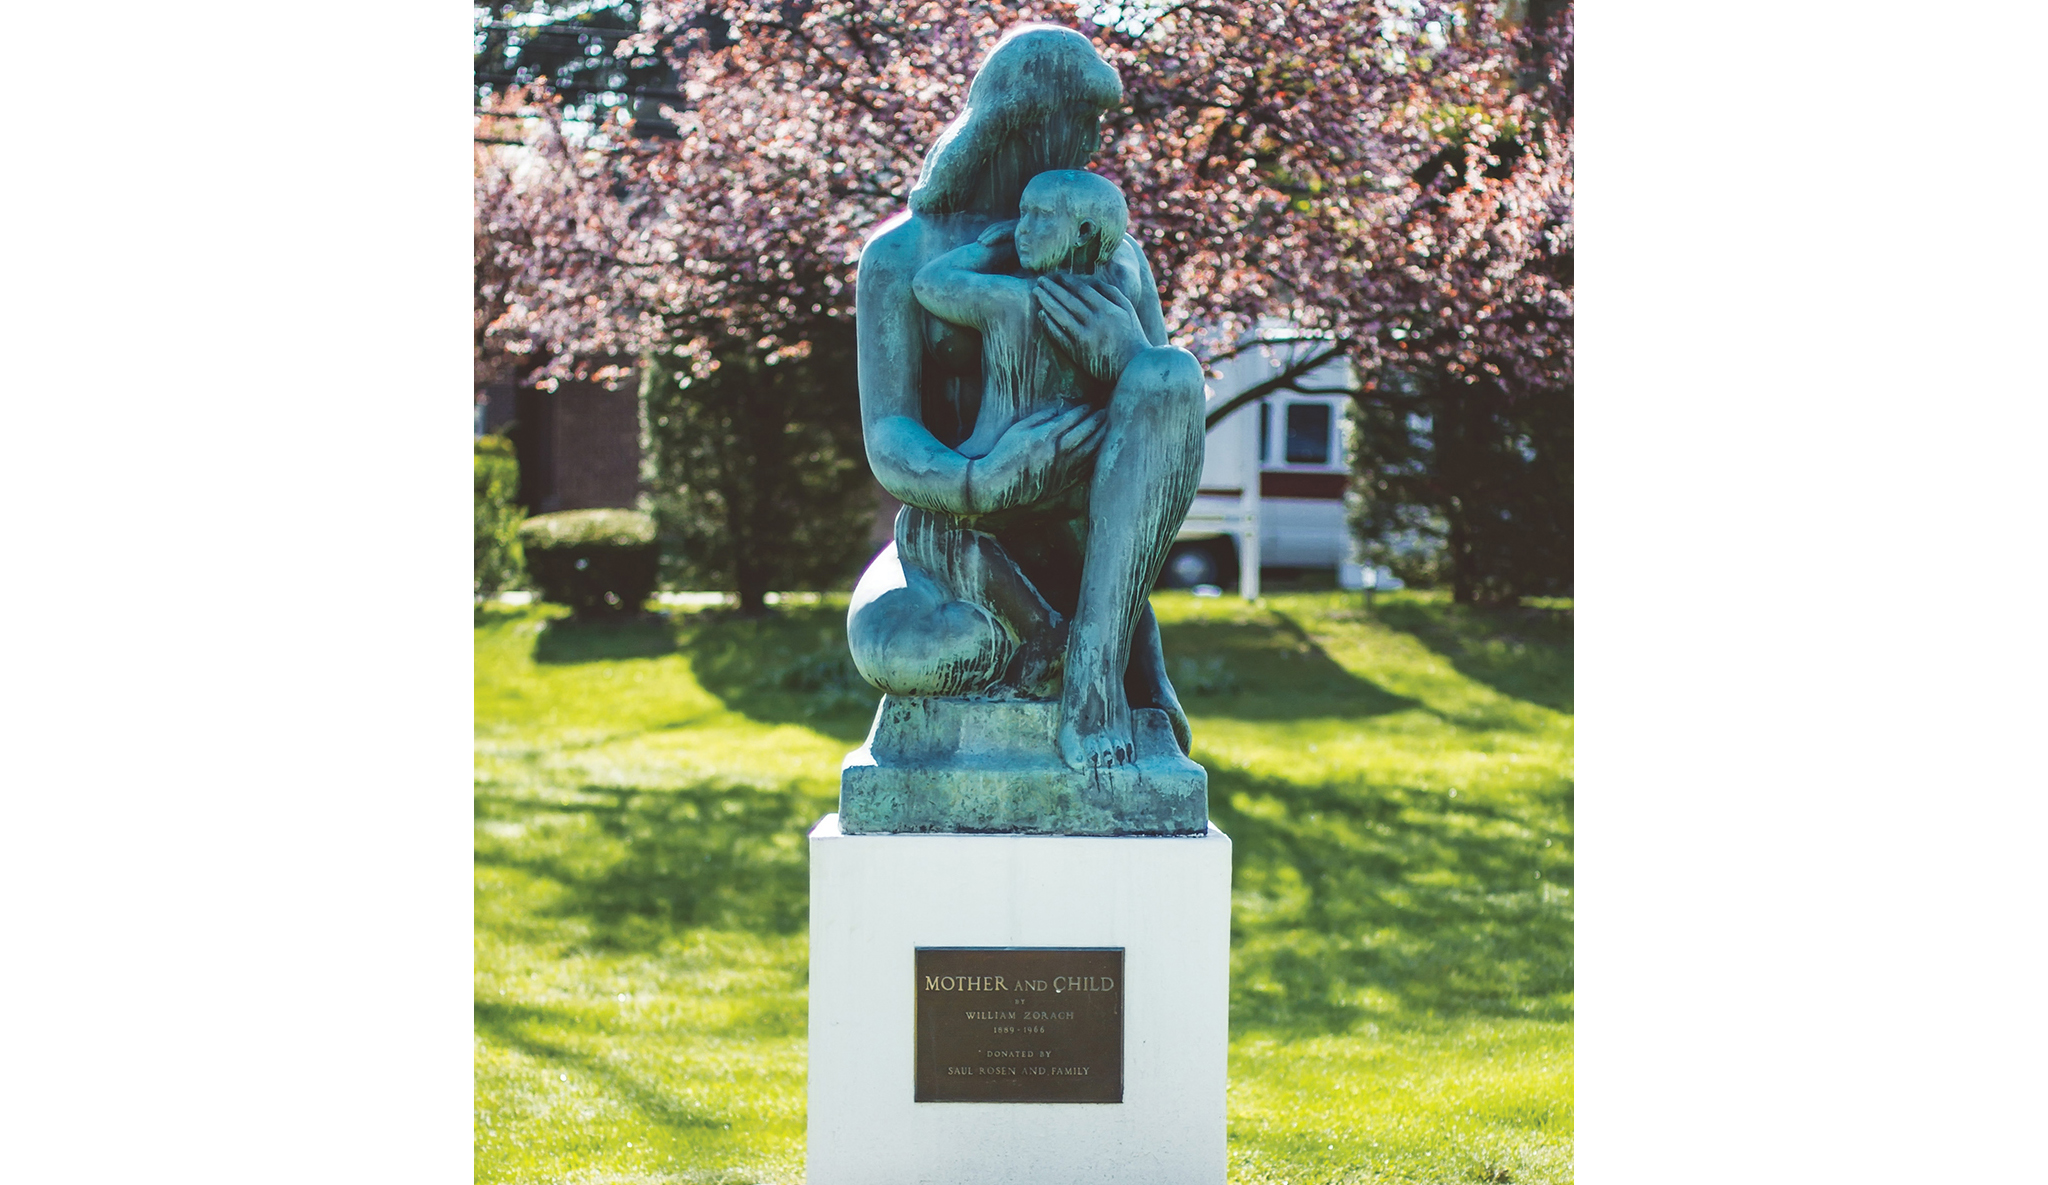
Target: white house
point(1272, 489)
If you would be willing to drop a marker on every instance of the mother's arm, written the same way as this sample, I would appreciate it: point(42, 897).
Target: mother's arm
point(905, 457)
point(1133, 273)
point(1103, 321)
point(1039, 455)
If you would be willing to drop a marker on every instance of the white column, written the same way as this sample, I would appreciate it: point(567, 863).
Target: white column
point(1248, 513)
point(876, 898)
point(1351, 573)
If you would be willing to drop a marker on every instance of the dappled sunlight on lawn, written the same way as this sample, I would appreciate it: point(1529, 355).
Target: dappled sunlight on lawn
point(1397, 784)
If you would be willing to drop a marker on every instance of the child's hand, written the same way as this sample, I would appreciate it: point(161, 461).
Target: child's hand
point(998, 233)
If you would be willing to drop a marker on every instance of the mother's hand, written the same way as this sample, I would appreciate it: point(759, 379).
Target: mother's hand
point(1092, 321)
point(1040, 455)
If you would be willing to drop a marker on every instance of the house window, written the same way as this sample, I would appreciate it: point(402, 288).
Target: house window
point(1308, 434)
point(1265, 431)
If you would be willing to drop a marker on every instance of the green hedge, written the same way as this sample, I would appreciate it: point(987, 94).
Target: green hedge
point(498, 564)
point(597, 562)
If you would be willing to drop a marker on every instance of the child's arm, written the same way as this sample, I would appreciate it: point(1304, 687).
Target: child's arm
point(964, 286)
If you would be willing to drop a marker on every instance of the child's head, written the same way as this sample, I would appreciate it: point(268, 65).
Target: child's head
point(1069, 219)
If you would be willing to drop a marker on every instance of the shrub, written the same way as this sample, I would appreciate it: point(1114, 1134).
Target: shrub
point(597, 562)
point(498, 562)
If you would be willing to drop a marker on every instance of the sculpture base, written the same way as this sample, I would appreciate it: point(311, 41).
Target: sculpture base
point(942, 765)
point(876, 899)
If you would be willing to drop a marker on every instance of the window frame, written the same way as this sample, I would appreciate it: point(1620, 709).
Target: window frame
point(1273, 436)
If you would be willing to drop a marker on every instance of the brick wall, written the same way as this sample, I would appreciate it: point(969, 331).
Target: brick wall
point(579, 446)
point(597, 446)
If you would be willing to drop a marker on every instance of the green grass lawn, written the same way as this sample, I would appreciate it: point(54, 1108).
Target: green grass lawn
point(1397, 784)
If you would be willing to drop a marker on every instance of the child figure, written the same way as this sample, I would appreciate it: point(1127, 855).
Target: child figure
point(1069, 220)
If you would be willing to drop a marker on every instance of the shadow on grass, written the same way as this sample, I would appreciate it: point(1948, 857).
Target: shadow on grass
point(565, 640)
point(1445, 907)
point(512, 1026)
point(1524, 653)
point(790, 667)
point(1266, 670)
point(711, 854)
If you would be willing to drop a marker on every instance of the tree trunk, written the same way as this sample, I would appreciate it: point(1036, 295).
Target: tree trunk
point(1464, 583)
point(749, 574)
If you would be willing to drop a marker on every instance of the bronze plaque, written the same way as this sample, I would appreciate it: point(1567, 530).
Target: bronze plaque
point(1020, 1024)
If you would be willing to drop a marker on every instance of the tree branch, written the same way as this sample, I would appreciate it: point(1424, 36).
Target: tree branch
point(1284, 381)
point(1258, 342)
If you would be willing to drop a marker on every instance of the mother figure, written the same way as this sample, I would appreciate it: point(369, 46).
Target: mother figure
point(1051, 536)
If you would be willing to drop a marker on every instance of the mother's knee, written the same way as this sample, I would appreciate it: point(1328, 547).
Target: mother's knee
point(1162, 386)
point(906, 642)
point(1169, 367)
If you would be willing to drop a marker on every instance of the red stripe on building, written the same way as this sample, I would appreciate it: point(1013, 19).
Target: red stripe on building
point(1327, 486)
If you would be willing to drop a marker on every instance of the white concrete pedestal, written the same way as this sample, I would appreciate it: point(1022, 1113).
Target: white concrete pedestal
point(876, 898)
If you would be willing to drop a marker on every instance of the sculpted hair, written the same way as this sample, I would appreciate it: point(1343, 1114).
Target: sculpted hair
point(1033, 105)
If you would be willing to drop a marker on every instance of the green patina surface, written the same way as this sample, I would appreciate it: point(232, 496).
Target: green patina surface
point(967, 765)
point(1020, 395)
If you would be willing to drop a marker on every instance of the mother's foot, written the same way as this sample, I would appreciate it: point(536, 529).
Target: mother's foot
point(1095, 720)
point(1145, 681)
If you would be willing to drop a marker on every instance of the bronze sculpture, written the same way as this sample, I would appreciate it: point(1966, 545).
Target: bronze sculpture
point(1020, 397)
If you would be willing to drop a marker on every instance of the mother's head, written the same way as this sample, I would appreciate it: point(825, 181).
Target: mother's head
point(1034, 105)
